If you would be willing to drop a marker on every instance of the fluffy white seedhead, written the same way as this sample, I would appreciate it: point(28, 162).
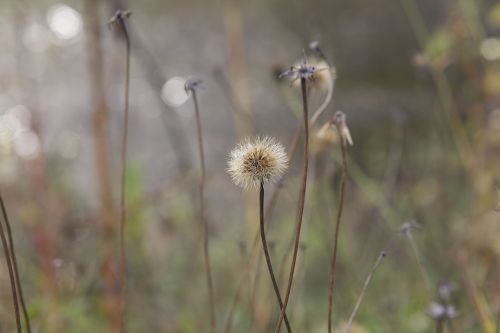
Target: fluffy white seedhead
point(253, 161)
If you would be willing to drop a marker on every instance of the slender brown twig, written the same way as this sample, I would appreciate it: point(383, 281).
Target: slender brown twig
point(11, 277)
point(302, 197)
point(337, 228)
point(266, 254)
point(14, 265)
point(363, 291)
point(191, 86)
point(119, 19)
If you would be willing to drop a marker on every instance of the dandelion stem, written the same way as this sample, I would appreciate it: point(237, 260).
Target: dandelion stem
point(363, 291)
point(123, 267)
point(336, 239)
point(14, 264)
point(203, 220)
point(302, 198)
point(266, 253)
point(11, 277)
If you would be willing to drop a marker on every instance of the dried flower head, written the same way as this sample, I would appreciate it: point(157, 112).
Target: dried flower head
point(193, 84)
point(321, 79)
point(119, 18)
point(339, 119)
point(255, 161)
point(325, 136)
point(304, 70)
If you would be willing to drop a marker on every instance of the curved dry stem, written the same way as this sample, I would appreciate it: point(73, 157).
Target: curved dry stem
point(302, 198)
point(123, 260)
point(336, 240)
point(324, 105)
point(266, 253)
point(203, 220)
point(14, 265)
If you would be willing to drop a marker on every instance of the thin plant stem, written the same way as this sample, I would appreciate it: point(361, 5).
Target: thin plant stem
point(363, 291)
point(451, 327)
point(270, 205)
point(497, 329)
point(439, 326)
point(120, 18)
point(302, 198)
point(11, 277)
point(254, 292)
point(266, 253)
point(418, 257)
point(456, 129)
point(203, 220)
point(477, 300)
point(336, 239)
point(14, 265)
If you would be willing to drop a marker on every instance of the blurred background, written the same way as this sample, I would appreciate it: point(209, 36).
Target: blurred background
point(418, 80)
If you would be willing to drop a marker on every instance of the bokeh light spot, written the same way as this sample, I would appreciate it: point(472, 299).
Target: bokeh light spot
point(173, 92)
point(64, 21)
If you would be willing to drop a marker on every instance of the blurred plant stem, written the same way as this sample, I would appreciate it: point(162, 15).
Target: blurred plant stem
point(120, 19)
point(439, 326)
point(203, 219)
point(407, 231)
point(456, 128)
point(47, 220)
point(363, 291)
point(254, 295)
point(14, 264)
point(100, 129)
point(301, 203)
point(497, 329)
point(9, 259)
point(238, 79)
point(154, 75)
point(338, 218)
point(477, 300)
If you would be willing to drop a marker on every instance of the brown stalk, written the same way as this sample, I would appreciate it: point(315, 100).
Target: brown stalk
point(119, 19)
point(302, 197)
point(100, 124)
point(203, 220)
point(337, 228)
point(14, 265)
point(266, 254)
point(11, 277)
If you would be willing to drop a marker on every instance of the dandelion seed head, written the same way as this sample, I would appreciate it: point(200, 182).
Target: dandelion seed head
point(257, 160)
